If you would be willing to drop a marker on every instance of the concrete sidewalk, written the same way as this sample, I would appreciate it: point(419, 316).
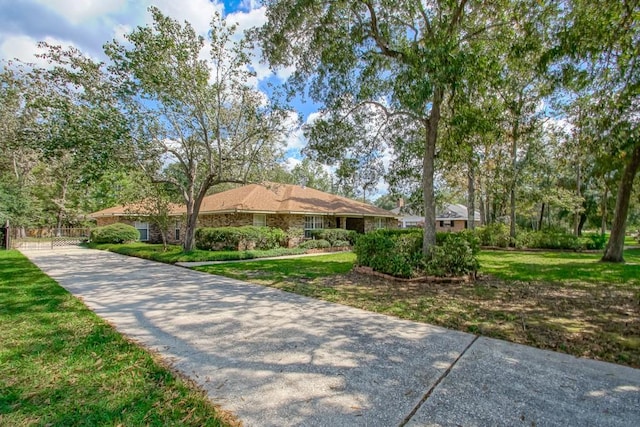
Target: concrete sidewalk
point(279, 359)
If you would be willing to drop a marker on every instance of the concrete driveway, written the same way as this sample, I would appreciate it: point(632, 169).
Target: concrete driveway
point(278, 359)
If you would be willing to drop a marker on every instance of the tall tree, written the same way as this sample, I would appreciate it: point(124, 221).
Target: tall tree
point(599, 50)
point(203, 116)
point(404, 57)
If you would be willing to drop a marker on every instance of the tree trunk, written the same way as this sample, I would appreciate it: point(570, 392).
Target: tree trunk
point(515, 135)
point(603, 224)
point(615, 246)
point(576, 218)
point(192, 221)
point(541, 217)
point(428, 170)
point(512, 213)
point(471, 208)
point(583, 220)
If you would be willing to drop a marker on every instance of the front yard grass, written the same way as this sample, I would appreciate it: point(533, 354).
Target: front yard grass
point(567, 302)
point(174, 253)
point(62, 365)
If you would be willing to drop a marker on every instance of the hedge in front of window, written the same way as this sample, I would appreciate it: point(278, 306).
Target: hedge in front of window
point(239, 238)
point(333, 235)
point(114, 233)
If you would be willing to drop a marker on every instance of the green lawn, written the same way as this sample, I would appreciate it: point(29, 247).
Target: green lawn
point(61, 365)
point(285, 270)
point(561, 301)
point(174, 253)
point(565, 267)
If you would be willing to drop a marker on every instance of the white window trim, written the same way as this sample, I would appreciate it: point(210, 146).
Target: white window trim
point(312, 222)
point(259, 220)
point(142, 226)
point(176, 231)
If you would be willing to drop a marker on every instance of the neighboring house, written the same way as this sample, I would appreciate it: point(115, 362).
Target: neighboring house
point(455, 218)
point(283, 206)
point(450, 218)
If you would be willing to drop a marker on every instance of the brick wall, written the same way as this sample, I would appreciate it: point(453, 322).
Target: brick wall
point(371, 223)
point(456, 225)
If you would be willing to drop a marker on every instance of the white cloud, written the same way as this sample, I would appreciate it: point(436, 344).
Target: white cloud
point(313, 117)
point(291, 162)
point(197, 12)
point(78, 11)
point(120, 30)
point(295, 140)
point(25, 48)
point(249, 4)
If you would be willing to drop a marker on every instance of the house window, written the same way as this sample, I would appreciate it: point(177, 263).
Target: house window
point(441, 224)
point(259, 220)
point(143, 229)
point(177, 231)
point(379, 223)
point(312, 223)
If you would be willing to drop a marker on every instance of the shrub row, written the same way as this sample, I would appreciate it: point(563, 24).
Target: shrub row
point(336, 236)
point(315, 244)
point(239, 238)
point(399, 253)
point(114, 233)
point(498, 235)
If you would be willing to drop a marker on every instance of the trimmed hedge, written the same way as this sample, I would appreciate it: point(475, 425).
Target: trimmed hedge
point(315, 244)
point(394, 252)
point(399, 253)
point(454, 255)
point(341, 244)
point(239, 238)
point(333, 235)
point(114, 233)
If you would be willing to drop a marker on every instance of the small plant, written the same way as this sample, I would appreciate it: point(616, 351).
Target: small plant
point(114, 233)
point(597, 241)
point(315, 244)
point(341, 244)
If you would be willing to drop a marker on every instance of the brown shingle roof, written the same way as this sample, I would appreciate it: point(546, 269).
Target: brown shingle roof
point(133, 209)
point(273, 198)
point(286, 198)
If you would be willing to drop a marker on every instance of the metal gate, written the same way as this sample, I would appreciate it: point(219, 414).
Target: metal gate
point(47, 238)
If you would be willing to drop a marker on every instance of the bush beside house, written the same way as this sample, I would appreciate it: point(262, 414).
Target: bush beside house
point(337, 237)
point(239, 238)
point(114, 233)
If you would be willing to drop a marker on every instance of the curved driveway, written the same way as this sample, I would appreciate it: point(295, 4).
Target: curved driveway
point(279, 359)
